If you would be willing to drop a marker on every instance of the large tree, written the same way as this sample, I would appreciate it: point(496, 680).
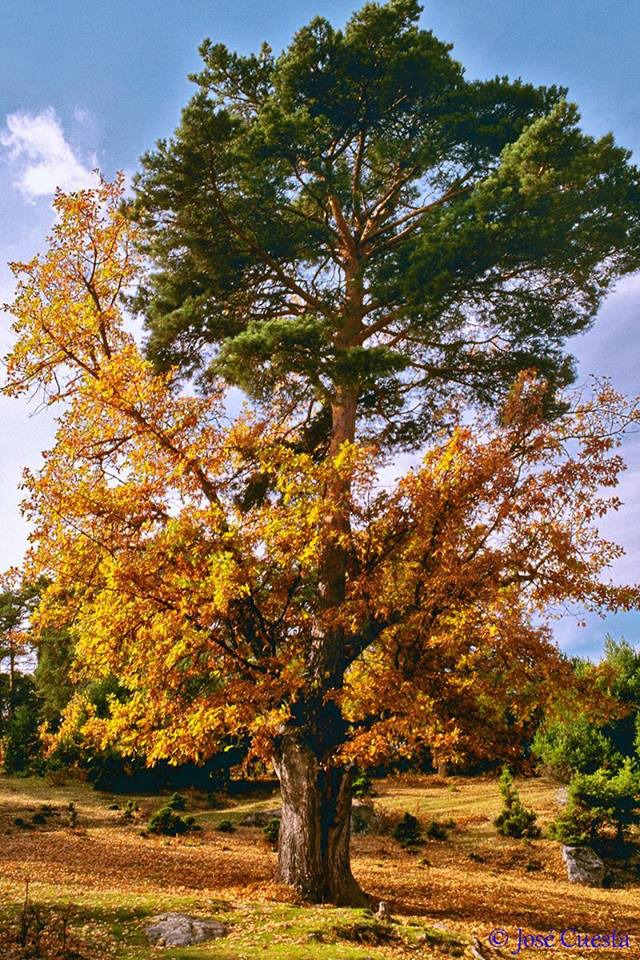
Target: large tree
point(329, 620)
point(361, 238)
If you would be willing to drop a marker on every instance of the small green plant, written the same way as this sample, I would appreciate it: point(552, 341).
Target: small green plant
point(130, 810)
point(514, 820)
point(362, 785)
point(226, 826)
point(439, 830)
point(177, 801)
point(407, 832)
point(170, 824)
point(271, 831)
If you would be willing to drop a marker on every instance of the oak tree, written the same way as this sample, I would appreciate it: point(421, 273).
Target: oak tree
point(223, 616)
point(363, 239)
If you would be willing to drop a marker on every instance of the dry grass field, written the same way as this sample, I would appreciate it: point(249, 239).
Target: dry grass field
point(110, 879)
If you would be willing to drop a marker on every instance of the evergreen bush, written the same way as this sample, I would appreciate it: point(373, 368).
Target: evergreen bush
point(226, 826)
point(169, 823)
point(408, 832)
point(362, 786)
point(271, 831)
point(514, 820)
point(599, 804)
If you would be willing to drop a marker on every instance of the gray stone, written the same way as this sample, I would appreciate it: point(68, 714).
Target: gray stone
point(260, 818)
point(364, 819)
point(181, 930)
point(562, 796)
point(583, 866)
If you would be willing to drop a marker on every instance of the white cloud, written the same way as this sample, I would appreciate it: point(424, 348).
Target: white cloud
point(42, 157)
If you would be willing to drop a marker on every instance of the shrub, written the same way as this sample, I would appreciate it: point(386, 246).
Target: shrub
point(107, 770)
point(573, 826)
point(226, 826)
point(271, 831)
point(130, 810)
point(598, 803)
point(362, 785)
point(169, 823)
point(573, 746)
point(408, 833)
point(176, 802)
point(438, 830)
point(514, 820)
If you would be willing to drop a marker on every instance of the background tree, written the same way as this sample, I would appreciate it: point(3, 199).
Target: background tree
point(362, 239)
point(19, 704)
point(18, 600)
point(52, 675)
point(600, 732)
point(211, 612)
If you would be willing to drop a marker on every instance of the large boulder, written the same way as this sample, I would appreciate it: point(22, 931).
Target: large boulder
point(181, 930)
point(583, 866)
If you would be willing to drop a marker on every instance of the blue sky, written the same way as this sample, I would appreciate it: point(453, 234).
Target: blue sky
point(86, 84)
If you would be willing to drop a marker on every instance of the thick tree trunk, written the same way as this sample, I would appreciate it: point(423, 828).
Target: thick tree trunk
point(315, 831)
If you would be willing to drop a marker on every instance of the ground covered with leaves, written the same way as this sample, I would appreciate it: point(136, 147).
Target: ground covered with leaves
point(95, 877)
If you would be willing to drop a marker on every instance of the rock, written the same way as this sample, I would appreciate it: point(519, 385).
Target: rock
point(583, 866)
point(383, 912)
point(364, 819)
point(260, 818)
point(562, 796)
point(181, 930)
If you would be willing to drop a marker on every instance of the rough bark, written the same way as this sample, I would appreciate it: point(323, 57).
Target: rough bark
point(315, 830)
